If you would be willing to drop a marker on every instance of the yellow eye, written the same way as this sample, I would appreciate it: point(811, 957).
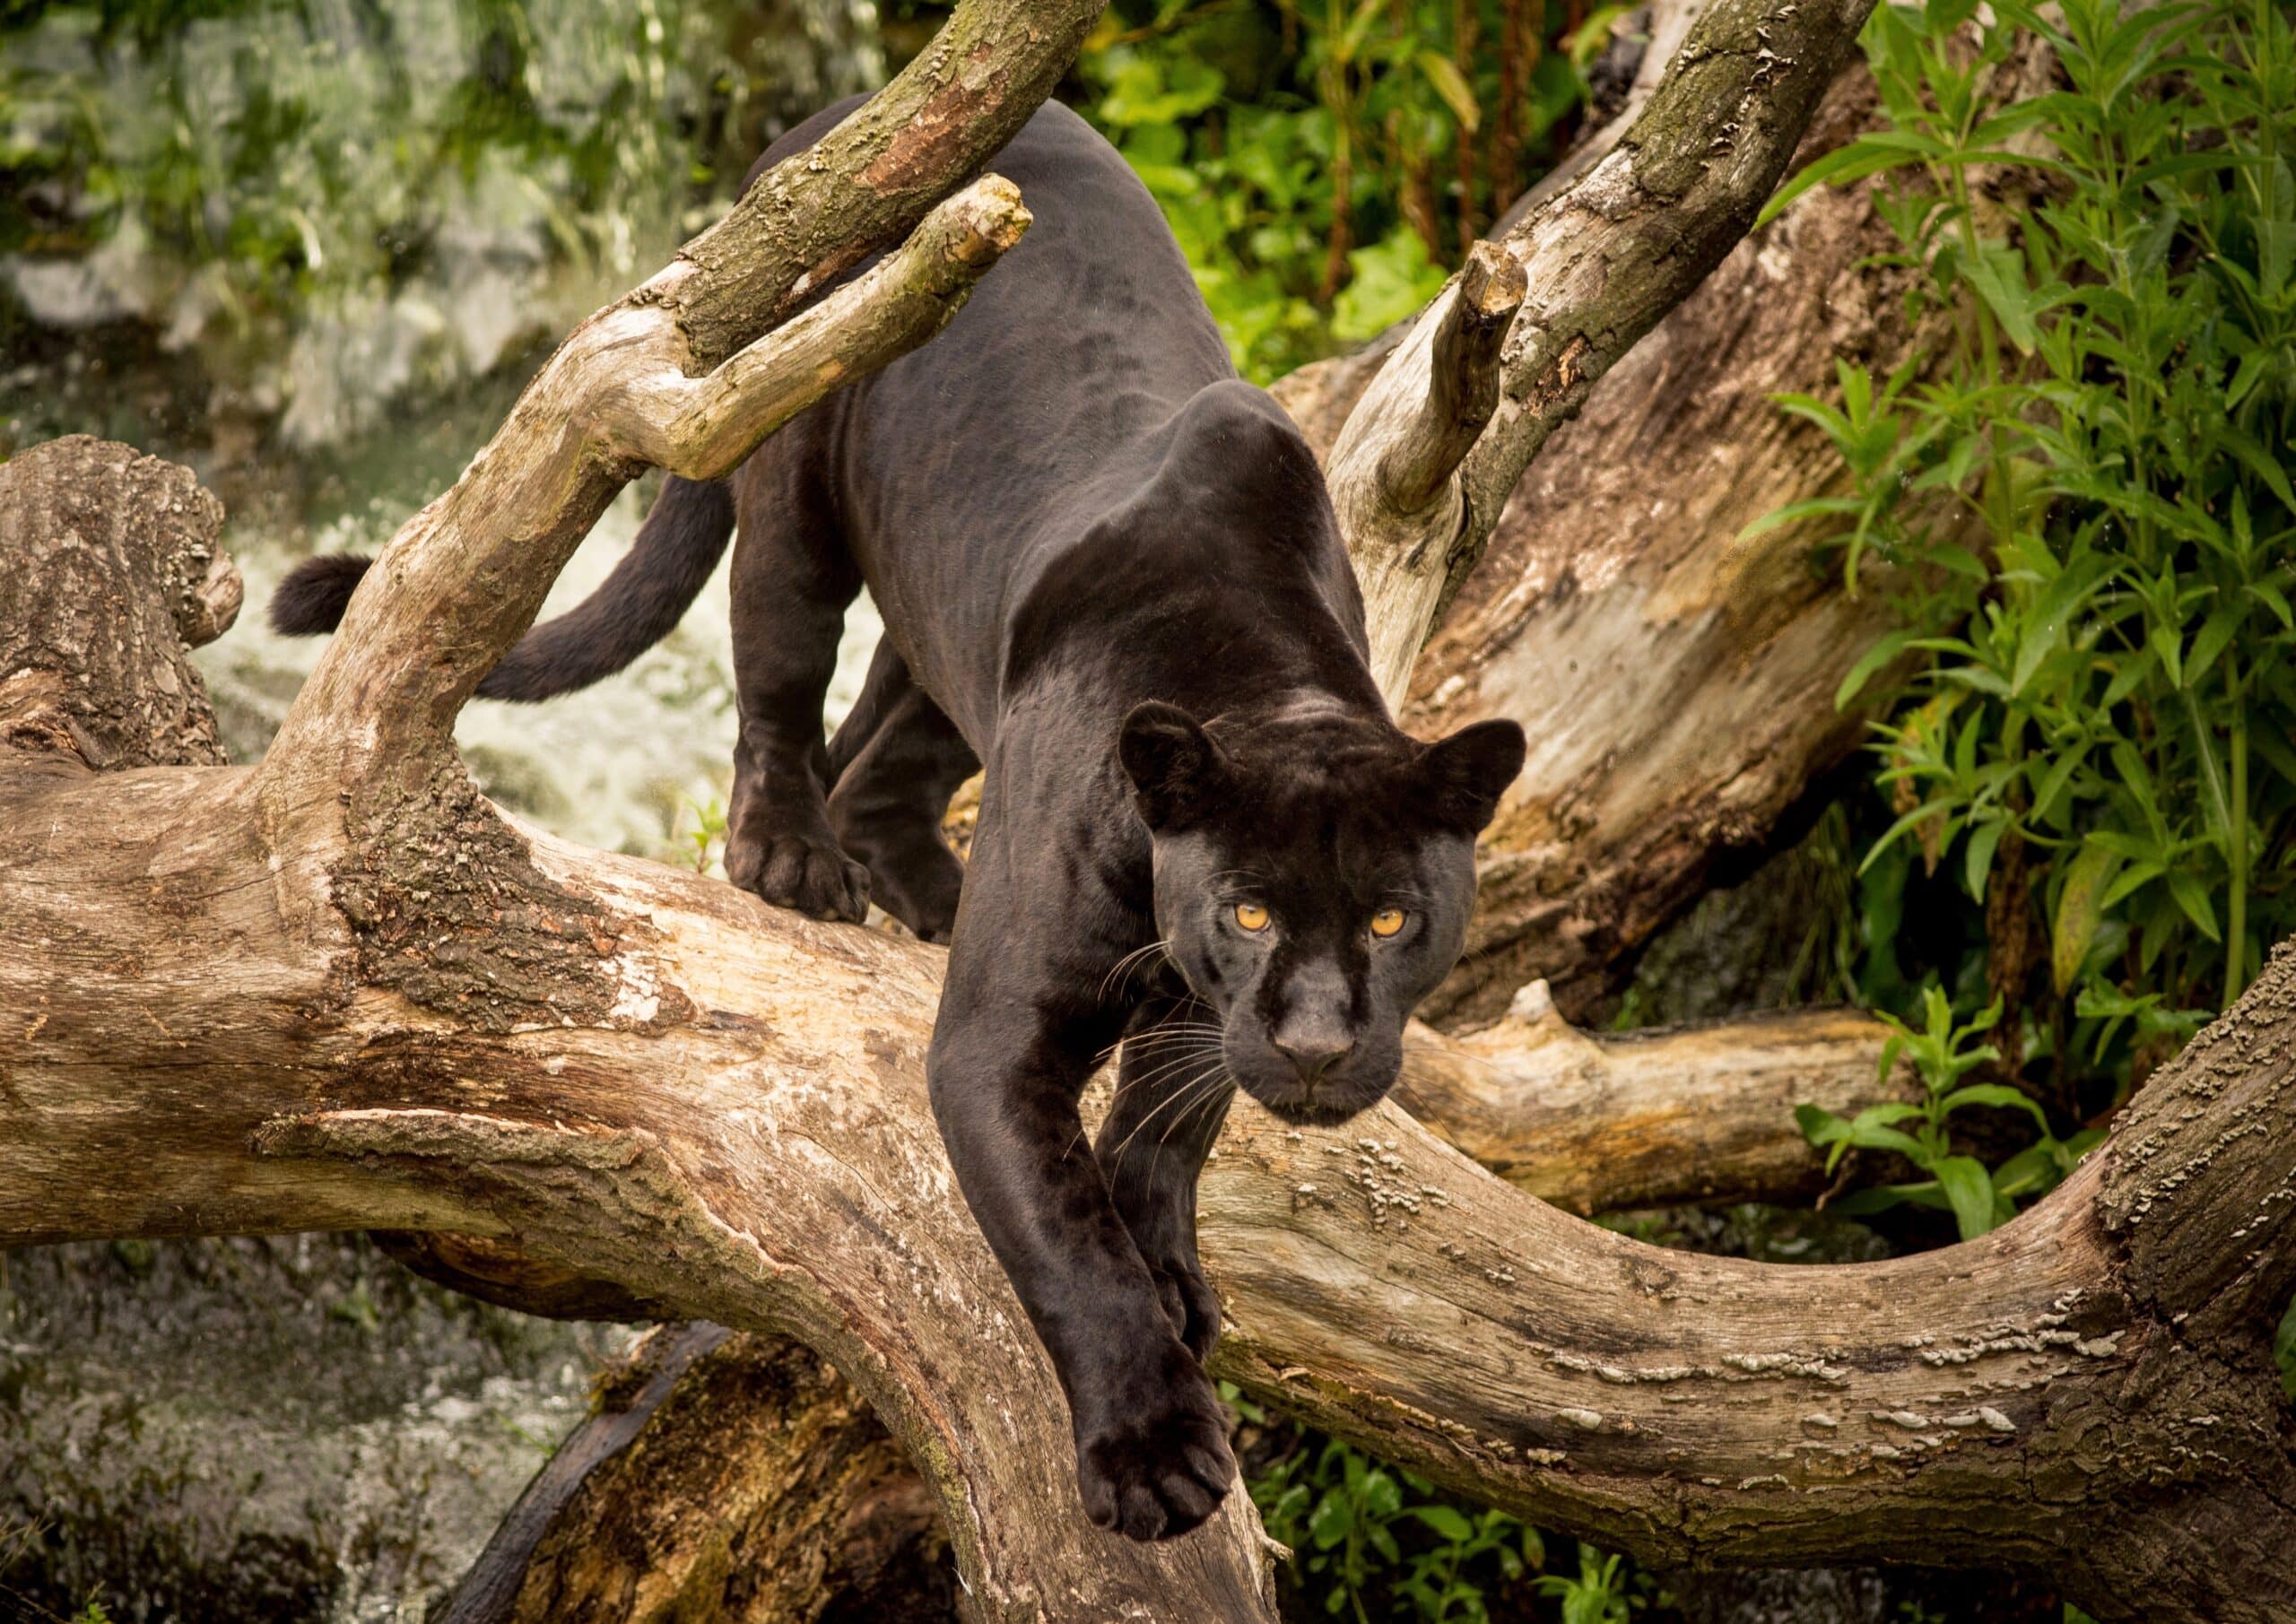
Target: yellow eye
point(1386, 922)
point(1251, 916)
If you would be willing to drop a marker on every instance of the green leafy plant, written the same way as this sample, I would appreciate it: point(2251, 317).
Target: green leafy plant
point(1369, 1540)
point(707, 835)
point(1347, 1518)
point(1943, 1052)
point(2081, 494)
point(1596, 1596)
point(1324, 166)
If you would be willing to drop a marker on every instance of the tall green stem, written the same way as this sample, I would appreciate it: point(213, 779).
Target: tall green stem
point(2235, 926)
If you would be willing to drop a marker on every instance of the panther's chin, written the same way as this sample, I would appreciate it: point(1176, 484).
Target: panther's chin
point(1324, 1108)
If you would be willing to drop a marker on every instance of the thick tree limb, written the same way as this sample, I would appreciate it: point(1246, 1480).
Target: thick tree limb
point(1675, 676)
point(1596, 1124)
point(1605, 260)
point(646, 1077)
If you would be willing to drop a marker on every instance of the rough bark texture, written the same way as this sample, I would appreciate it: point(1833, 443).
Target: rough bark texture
point(103, 672)
point(728, 1477)
point(1620, 603)
point(724, 1115)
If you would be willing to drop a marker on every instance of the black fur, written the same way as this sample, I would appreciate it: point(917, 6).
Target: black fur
point(635, 607)
point(1111, 578)
point(312, 597)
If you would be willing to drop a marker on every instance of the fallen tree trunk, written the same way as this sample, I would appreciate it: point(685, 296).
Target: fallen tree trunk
point(662, 1088)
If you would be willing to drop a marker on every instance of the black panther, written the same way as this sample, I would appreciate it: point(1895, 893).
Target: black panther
point(1112, 579)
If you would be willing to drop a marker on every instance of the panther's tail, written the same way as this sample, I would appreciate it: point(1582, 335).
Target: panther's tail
point(634, 608)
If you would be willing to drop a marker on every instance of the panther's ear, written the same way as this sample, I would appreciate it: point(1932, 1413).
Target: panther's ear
point(1467, 772)
point(1172, 761)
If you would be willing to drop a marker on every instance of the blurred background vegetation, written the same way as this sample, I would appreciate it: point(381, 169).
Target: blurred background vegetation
point(312, 246)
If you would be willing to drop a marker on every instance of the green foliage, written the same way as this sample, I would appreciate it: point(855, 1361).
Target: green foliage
point(2083, 491)
point(707, 835)
point(1943, 1055)
point(1372, 1538)
point(1598, 1595)
point(1324, 166)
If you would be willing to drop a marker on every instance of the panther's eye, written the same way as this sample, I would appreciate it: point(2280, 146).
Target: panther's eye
point(1386, 922)
point(1251, 916)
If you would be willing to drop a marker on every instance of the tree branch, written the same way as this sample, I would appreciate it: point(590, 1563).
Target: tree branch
point(703, 427)
point(1605, 260)
point(344, 992)
point(1647, 1119)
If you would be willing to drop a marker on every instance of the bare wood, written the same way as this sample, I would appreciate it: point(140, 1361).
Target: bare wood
point(697, 1126)
point(664, 1093)
point(1594, 1123)
point(1464, 328)
point(1606, 259)
point(1675, 676)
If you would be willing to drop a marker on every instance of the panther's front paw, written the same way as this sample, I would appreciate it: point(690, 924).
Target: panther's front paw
point(808, 873)
point(1189, 1303)
point(1161, 1467)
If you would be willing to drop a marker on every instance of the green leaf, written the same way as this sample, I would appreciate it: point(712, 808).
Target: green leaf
point(1998, 273)
point(1443, 73)
point(1881, 654)
point(2191, 898)
point(1839, 167)
point(2213, 636)
point(2080, 905)
point(1969, 1188)
point(1447, 1523)
point(1390, 280)
point(1978, 861)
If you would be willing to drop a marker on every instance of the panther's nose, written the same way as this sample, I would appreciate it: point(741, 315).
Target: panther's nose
point(1313, 1056)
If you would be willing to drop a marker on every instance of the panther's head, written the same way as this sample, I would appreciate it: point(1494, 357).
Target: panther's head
point(1314, 872)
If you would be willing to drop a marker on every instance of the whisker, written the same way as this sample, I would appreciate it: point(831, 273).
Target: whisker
point(1182, 1092)
point(1203, 1097)
point(1120, 972)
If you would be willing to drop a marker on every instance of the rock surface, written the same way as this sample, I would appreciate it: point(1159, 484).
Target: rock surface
point(289, 1429)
